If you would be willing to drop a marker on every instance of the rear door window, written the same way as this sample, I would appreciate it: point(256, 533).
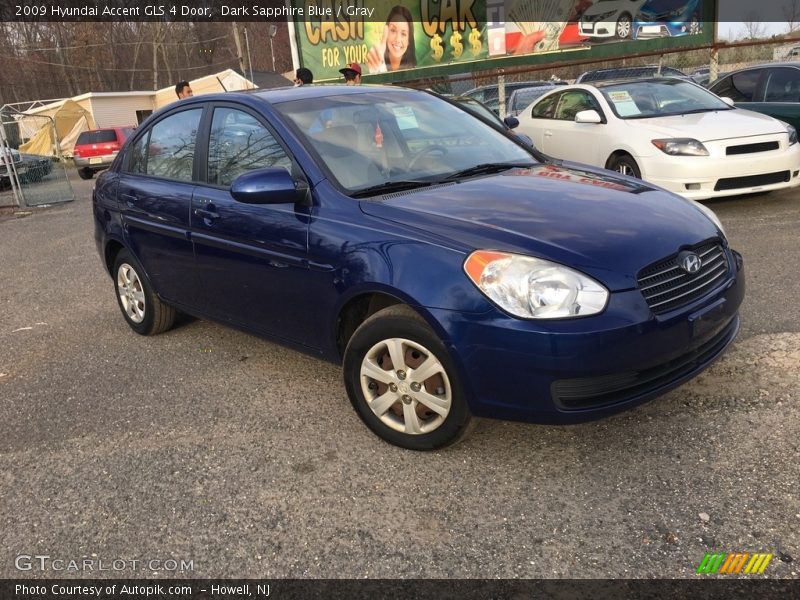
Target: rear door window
point(545, 108)
point(168, 148)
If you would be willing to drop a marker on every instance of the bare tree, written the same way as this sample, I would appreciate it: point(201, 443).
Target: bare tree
point(791, 11)
point(753, 29)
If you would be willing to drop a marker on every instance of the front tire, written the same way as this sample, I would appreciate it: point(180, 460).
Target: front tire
point(144, 312)
point(402, 382)
point(624, 27)
point(624, 163)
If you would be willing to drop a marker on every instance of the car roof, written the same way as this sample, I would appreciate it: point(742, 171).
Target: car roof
point(610, 82)
point(793, 65)
point(284, 94)
point(588, 75)
point(518, 84)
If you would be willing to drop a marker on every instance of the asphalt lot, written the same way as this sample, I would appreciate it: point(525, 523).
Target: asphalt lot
point(208, 445)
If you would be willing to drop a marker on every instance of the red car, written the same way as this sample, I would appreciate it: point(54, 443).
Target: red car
point(97, 148)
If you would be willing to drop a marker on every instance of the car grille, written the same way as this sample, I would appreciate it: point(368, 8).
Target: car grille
point(666, 286)
point(752, 148)
point(593, 392)
point(735, 183)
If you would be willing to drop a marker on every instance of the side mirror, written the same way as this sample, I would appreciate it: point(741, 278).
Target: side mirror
point(270, 185)
point(511, 122)
point(588, 116)
point(726, 100)
point(525, 139)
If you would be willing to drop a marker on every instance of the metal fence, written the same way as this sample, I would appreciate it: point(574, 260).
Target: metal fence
point(31, 174)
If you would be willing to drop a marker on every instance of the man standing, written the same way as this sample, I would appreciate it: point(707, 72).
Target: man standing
point(352, 74)
point(303, 76)
point(183, 90)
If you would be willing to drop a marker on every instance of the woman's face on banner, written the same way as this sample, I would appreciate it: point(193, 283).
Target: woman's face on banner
point(397, 40)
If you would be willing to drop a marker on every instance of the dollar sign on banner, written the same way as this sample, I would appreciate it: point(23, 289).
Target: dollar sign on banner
point(436, 46)
point(455, 42)
point(475, 40)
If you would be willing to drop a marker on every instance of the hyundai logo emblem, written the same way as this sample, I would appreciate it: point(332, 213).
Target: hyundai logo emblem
point(689, 262)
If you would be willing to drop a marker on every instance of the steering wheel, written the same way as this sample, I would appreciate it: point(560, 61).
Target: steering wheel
point(435, 148)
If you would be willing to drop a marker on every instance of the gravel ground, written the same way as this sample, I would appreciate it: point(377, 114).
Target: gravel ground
point(208, 445)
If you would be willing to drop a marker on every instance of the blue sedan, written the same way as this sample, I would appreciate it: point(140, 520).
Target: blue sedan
point(453, 272)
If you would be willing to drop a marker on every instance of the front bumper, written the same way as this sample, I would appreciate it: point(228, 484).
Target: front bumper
point(601, 29)
point(581, 369)
point(703, 177)
point(646, 30)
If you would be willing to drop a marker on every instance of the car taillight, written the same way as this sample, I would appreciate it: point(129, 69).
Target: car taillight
point(77, 152)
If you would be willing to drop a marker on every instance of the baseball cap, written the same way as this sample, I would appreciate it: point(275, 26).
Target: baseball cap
point(351, 67)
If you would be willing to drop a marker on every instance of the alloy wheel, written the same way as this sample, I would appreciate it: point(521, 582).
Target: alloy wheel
point(131, 293)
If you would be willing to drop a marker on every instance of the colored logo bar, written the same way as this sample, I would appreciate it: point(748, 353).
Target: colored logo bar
point(735, 563)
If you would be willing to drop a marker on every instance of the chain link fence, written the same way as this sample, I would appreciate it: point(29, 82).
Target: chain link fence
point(696, 63)
point(31, 170)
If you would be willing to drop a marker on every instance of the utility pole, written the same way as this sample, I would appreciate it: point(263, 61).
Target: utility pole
point(155, 62)
point(238, 48)
point(273, 29)
point(249, 60)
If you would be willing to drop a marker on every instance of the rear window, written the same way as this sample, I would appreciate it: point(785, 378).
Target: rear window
point(101, 136)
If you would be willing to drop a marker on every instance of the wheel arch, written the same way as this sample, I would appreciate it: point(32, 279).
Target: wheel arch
point(112, 249)
point(624, 152)
point(358, 309)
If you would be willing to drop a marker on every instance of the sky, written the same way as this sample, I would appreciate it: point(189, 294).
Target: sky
point(734, 31)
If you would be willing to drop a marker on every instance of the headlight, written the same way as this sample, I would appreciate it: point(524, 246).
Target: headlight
point(710, 214)
point(532, 288)
point(681, 147)
point(792, 133)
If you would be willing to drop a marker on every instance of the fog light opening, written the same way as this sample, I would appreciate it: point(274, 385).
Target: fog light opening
point(693, 186)
point(795, 173)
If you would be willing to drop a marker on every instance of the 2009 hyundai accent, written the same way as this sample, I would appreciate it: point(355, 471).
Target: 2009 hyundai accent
point(452, 272)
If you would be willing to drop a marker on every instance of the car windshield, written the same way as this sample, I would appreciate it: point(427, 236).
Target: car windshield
point(644, 99)
point(383, 139)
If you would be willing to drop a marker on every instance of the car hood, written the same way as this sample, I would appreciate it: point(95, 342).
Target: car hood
point(607, 226)
point(665, 10)
point(711, 126)
point(601, 8)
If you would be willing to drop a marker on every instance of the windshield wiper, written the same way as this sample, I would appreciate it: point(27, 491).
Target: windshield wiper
point(391, 186)
point(702, 110)
point(483, 169)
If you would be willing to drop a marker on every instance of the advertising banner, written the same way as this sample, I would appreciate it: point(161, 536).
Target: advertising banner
point(422, 38)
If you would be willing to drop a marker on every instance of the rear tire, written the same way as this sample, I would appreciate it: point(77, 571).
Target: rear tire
point(144, 312)
point(85, 173)
point(420, 404)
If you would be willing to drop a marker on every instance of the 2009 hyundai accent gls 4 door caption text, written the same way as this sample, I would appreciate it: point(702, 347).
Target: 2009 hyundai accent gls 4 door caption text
point(453, 272)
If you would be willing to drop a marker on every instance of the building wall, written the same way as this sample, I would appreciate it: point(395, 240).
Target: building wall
point(227, 80)
point(117, 111)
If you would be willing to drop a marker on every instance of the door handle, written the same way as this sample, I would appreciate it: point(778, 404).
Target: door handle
point(129, 200)
point(208, 215)
point(548, 134)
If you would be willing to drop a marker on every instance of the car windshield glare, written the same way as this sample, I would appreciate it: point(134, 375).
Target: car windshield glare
point(369, 139)
point(644, 99)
